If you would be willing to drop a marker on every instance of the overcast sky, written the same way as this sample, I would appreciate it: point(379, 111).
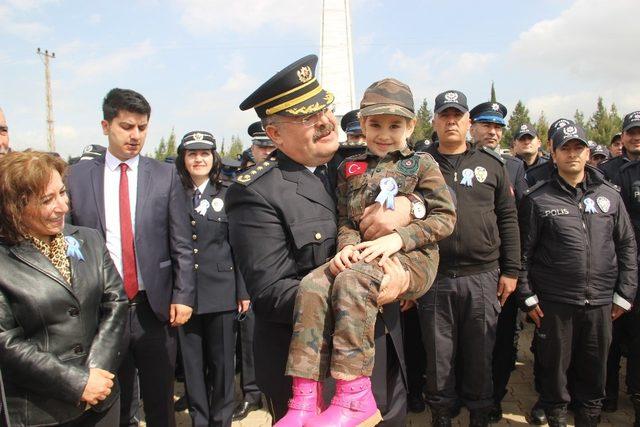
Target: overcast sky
point(196, 60)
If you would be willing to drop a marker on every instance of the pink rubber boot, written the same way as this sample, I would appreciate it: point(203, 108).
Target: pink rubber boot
point(353, 405)
point(305, 403)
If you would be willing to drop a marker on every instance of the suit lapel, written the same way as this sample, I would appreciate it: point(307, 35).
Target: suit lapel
point(97, 181)
point(144, 184)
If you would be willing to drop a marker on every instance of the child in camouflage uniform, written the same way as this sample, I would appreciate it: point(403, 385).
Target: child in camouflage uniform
point(336, 304)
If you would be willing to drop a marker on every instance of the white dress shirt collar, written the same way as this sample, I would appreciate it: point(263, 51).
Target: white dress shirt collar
point(113, 162)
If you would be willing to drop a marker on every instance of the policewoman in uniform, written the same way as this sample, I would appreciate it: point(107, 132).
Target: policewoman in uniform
point(207, 340)
point(282, 224)
point(579, 272)
point(479, 265)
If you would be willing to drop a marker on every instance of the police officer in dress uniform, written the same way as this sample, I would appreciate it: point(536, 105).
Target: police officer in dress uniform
point(626, 338)
point(478, 269)
point(261, 146)
point(487, 124)
point(207, 340)
point(527, 146)
point(283, 224)
point(578, 273)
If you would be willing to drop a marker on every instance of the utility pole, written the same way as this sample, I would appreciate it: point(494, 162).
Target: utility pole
point(51, 141)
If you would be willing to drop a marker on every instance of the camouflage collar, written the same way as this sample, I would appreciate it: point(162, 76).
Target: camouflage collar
point(405, 152)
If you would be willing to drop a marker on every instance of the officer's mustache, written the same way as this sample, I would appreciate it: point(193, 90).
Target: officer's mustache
point(322, 132)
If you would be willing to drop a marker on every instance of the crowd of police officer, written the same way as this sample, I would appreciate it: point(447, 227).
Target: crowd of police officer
point(598, 217)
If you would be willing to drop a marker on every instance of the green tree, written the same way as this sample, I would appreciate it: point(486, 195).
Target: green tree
point(423, 129)
point(542, 127)
point(578, 117)
point(603, 123)
point(236, 147)
point(519, 117)
point(222, 152)
point(166, 148)
point(493, 92)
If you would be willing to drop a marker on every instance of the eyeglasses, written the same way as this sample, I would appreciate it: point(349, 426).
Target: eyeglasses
point(312, 119)
point(4, 130)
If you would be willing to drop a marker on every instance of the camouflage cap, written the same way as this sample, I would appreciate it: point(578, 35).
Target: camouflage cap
point(388, 96)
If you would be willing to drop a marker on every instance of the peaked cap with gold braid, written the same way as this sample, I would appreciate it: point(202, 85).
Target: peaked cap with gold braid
point(293, 91)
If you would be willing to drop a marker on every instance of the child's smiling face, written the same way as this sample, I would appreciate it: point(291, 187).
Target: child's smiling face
point(386, 132)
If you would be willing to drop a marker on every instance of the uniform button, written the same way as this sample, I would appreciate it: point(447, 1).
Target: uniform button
point(194, 237)
point(318, 236)
point(195, 250)
point(195, 266)
point(77, 349)
point(193, 223)
point(74, 312)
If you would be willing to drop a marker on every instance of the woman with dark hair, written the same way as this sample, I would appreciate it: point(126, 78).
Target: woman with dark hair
point(62, 304)
point(207, 340)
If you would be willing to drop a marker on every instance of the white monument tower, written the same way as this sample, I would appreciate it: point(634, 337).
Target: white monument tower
point(336, 54)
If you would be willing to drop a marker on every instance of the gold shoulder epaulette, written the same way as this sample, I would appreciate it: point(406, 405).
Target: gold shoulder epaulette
point(256, 171)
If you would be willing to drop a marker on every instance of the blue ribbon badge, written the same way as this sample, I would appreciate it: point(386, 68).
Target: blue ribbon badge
point(590, 206)
point(467, 178)
point(73, 248)
point(388, 190)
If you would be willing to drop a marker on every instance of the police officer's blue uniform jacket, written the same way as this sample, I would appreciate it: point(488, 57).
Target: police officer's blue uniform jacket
point(578, 245)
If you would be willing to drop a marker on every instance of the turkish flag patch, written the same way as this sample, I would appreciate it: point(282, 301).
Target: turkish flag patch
point(355, 168)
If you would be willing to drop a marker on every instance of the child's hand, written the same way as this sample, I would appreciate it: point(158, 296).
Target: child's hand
point(343, 259)
point(385, 246)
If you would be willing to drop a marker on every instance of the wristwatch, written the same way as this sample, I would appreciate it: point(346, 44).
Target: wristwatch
point(418, 209)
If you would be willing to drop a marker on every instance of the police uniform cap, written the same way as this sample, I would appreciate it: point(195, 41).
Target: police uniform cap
point(451, 99)
point(600, 150)
point(569, 133)
point(292, 91)
point(526, 129)
point(259, 136)
point(93, 151)
point(631, 120)
point(489, 112)
point(350, 123)
point(616, 137)
point(558, 124)
point(197, 140)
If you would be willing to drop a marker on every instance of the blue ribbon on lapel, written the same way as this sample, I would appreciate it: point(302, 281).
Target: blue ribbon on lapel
point(73, 248)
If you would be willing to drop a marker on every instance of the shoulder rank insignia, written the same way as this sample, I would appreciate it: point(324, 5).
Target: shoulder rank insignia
point(408, 166)
point(255, 172)
point(493, 154)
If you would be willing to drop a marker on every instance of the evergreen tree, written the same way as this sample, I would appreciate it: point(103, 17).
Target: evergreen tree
point(493, 92)
point(236, 148)
point(542, 127)
point(423, 129)
point(222, 152)
point(578, 117)
point(166, 148)
point(603, 123)
point(519, 116)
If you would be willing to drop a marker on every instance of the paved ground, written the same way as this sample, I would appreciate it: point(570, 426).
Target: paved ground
point(517, 403)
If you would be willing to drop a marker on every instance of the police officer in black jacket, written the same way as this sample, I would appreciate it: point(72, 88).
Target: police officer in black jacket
point(543, 171)
point(478, 270)
point(207, 340)
point(283, 224)
point(487, 123)
point(630, 147)
point(579, 272)
point(625, 329)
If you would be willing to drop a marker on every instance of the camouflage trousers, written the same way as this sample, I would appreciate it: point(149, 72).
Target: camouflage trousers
point(334, 317)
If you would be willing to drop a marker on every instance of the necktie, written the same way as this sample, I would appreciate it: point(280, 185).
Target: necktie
point(321, 172)
point(196, 198)
point(129, 268)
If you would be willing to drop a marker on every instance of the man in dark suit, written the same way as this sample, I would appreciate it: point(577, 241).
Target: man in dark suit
point(282, 224)
point(138, 204)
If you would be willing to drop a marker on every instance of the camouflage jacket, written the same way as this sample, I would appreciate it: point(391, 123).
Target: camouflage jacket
point(359, 184)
